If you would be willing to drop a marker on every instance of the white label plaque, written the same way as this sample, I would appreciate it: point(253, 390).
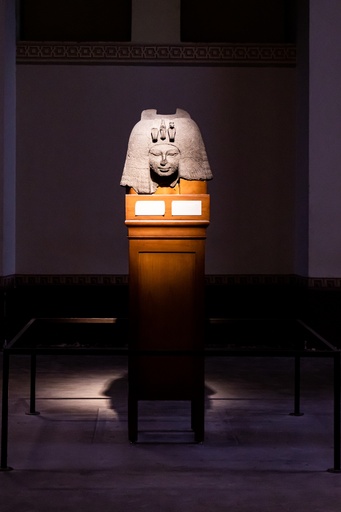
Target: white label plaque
point(150, 208)
point(186, 207)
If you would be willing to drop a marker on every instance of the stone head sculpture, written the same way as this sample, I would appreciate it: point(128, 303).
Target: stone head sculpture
point(163, 149)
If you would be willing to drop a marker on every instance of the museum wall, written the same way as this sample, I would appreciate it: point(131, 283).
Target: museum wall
point(7, 139)
point(73, 125)
point(270, 121)
point(324, 139)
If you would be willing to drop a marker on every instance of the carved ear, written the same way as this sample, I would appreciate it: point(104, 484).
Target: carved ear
point(195, 168)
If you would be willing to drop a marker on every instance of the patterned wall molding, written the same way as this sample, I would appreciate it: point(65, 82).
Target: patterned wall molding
point(325, 283)
point(181, 54)
point(19, 280)
point(253, 280)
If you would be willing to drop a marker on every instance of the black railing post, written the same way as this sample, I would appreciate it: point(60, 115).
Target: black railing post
point(297, 390)
point(337, 428)
point(4, 418)
point(32, 409)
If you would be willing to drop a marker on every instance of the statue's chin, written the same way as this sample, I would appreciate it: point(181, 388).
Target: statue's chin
point(165, 180)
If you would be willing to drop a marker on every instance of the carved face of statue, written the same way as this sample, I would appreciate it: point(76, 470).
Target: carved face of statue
point(164, 159)
point(162, 150)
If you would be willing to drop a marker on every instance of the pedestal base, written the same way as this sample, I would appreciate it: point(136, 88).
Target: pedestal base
point(167, 319)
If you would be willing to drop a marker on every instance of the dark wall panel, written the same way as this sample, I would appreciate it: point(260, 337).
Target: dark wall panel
point(238, 21)
point(75, 20)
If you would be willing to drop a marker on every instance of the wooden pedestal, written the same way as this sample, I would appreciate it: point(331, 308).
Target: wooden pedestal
point(167, 319)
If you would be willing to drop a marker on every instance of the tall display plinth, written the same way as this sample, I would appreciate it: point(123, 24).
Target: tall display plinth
point(167, 236)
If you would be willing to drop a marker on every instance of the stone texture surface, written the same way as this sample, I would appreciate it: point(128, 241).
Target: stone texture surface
point(176, 131)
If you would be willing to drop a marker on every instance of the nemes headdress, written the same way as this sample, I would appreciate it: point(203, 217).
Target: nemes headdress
point(177, 130)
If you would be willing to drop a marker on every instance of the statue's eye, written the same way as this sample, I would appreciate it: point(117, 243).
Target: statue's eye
point(155, 152)
point(172, 153)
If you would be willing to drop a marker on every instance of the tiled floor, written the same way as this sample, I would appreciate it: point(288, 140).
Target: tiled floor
point(256, 457)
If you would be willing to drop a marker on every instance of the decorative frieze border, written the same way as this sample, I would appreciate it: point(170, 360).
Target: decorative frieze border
point(19, 280)
point(29, 52)
point(323, 283)
point(252, 279)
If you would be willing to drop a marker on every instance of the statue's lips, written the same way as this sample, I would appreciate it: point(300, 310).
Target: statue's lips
point(164, 169)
